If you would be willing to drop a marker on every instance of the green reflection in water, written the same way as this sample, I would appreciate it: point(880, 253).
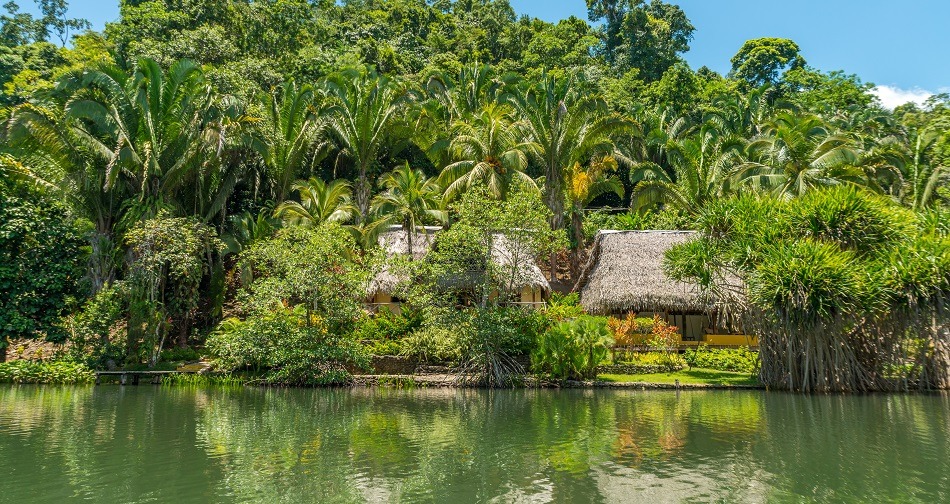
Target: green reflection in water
point(180, 444)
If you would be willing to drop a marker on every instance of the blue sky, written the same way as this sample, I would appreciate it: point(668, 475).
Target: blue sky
point(900, 46)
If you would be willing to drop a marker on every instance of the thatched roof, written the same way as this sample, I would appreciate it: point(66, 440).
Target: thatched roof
point(505, 253)
point(625, 273)
point(395, 242)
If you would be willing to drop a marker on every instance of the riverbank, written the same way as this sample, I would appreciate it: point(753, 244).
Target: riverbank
point(696, 378)
point(63, 373)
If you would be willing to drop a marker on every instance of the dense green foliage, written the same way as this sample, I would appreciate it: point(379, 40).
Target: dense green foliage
point(298, 131)
point(57, 372)
point(164, 275)
point(288, 349)
point(739, 360)
point(573, 349)
point(846, 290)
point(41, 259)
point(298, 311)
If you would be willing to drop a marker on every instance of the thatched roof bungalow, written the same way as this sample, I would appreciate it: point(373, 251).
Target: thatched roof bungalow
point(531, 286)
point(625, 274)
point(396, 242)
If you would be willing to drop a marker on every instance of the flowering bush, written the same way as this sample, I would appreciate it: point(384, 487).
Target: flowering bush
point(631, 330)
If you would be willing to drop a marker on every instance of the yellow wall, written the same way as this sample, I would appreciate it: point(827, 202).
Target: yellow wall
point(732, 340)
point(384, 301)
point(532, 296)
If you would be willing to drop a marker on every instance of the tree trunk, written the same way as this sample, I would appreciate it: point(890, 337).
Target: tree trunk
point(577, 228)
point(100, 267)
point(182, 340)
point(363, 193)
point(554, 199)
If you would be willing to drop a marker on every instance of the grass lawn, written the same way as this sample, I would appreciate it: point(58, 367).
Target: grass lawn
point(689, 376)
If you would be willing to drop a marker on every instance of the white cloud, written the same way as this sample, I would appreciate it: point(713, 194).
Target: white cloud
point(892, 96)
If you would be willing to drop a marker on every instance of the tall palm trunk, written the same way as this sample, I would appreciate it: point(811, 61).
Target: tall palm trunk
point(554, 199)
point(101, 267)
point(363, 193)
point(577, 228)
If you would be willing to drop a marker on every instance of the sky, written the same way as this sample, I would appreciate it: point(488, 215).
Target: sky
point(899, 46)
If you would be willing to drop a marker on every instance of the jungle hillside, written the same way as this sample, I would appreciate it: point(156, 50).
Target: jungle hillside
point(212, 178)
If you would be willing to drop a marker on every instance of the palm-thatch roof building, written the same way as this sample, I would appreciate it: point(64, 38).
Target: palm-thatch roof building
point(625, 275)
point(527, 281)
point(528, 284)
point(396, 241)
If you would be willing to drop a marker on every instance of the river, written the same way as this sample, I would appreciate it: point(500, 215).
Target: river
point(182, 444)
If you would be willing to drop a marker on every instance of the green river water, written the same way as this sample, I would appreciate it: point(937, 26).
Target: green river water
point(178, 445)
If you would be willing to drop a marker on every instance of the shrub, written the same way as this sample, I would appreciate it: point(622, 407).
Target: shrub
point(179, 354)
point(740, 360)
point(383, 332)
point(291, 347)
point(564, 307)
point(432, 344)
point(489, 340)
point(663, 339)
point(49, 372)
point(656, 360)
point(450, 335)
point(41, 261)
point(528, 325)
point(312, 268)
point(573, 349)
point(382, 347)
point(93, 330)
point(631, 330)
point(654, 333)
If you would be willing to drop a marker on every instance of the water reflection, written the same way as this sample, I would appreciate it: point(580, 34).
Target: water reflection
point(148, 444)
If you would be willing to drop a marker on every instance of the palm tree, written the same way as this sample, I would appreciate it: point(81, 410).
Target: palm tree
point(796, 153)
point(454, 98)
point(585, 184)
point(363, 116)
point(162, 134)
point(702, 166)
point(492, 148)
point(54, 146)
point(409, 199)
point(320, 202)
point(465, 94)
point(247, 229)
point(569, 130)
point(882, 145)
point(291, 140)
point(746, 114)
point(659, 132)
point(922, 177)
